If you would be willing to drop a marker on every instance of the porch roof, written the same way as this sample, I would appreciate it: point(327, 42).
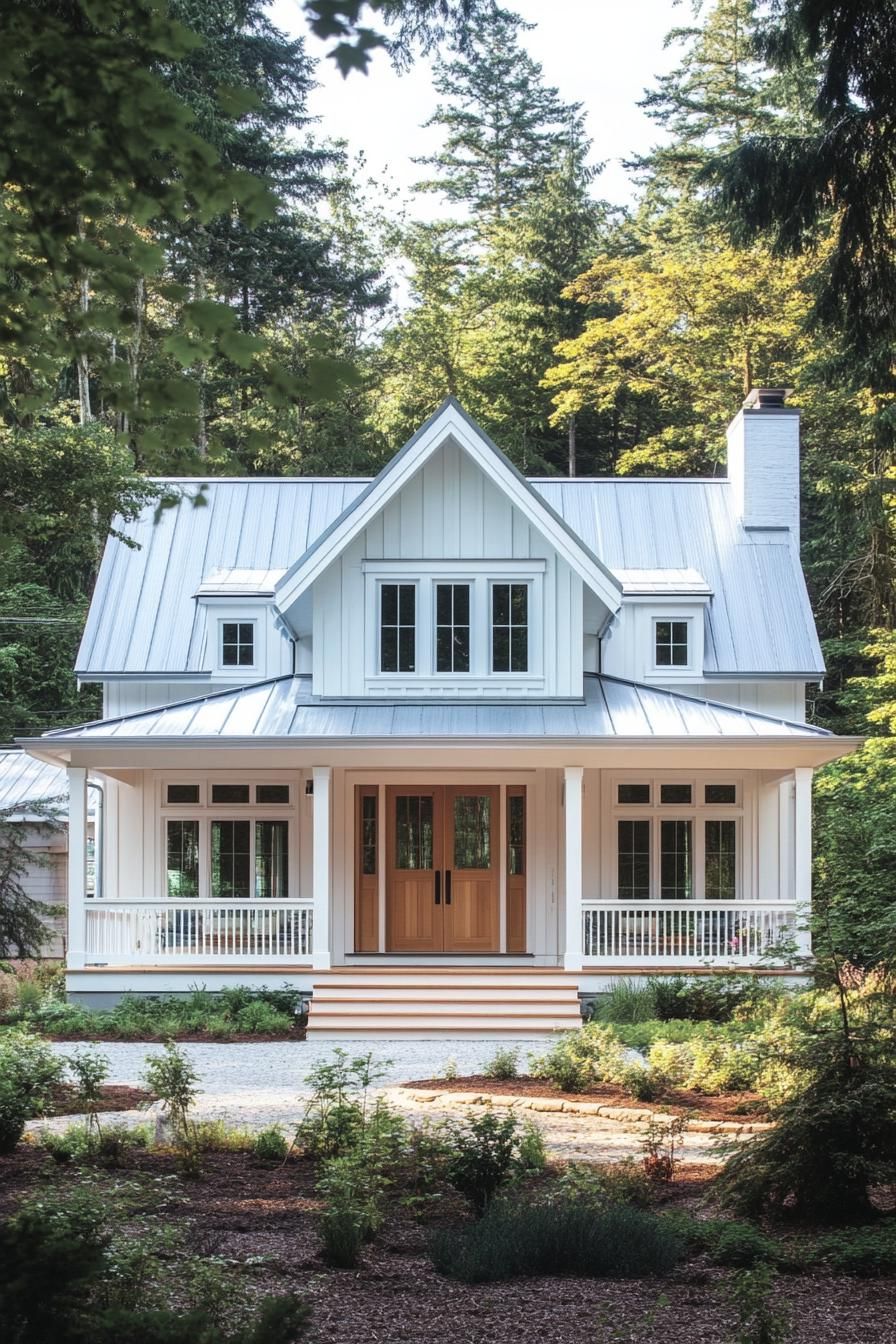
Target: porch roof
point(283, 710)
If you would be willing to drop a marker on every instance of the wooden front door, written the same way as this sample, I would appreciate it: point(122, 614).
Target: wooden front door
point(442, 869)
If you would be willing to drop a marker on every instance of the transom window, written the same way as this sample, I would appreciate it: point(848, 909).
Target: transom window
point(671, 648)
point(510, 627)
point(237, 643)
point(452, 627)
point(676, 840)
point(398, 627)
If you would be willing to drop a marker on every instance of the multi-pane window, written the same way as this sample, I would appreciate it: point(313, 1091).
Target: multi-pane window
point(677, 840)
point(720, 859)
point(182, 860)
point(398, 627)
point(452, 627)
point(671, 643)
point(634, 860)
point(510, 627)
point(226, 857)
point(237, 643)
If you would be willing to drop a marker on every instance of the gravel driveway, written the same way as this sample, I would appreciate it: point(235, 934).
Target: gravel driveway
point(260, 1084)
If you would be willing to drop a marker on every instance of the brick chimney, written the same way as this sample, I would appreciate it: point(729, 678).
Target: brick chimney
point(764, 461)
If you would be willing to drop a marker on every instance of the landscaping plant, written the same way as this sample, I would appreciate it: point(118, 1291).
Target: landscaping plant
point(760, 1320)
point(337, 1111)
point(503, 1065)
point(562, 1237)
point(660, 1145)
point(174, 1081)
point(90, 1070)
point(481, 1156)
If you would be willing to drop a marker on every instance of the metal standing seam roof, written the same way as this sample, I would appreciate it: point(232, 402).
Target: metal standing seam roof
point(285, 709)
point(24, 780)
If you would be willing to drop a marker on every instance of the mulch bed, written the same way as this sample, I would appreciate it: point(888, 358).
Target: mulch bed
point(65, 1099)
point(240, 1210)
point(742, 1106)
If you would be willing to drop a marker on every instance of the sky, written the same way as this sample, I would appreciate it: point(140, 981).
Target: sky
point(602, 53)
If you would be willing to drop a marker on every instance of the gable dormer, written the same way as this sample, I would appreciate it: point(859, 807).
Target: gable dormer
point(245, 639)
point(448, 576)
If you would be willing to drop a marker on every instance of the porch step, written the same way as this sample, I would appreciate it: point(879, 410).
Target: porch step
point(432, 1001)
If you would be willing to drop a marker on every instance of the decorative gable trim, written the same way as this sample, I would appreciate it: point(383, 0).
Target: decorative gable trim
point(450, 421)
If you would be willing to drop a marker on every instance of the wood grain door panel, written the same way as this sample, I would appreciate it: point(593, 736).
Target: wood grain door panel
point(414, 854)
point(472, 915)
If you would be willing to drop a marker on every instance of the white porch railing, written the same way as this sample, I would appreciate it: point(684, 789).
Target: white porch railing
point(160, 933)
point(684, 932)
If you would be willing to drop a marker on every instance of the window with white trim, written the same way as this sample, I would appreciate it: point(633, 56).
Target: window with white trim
point(671, 643)
point(228, 841)
point(237, 643)
point(510, 627)
point(452, 627)
point(398, 627)
point(677, 840)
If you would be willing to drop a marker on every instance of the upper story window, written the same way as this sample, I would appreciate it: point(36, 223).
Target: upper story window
point(398, 627)
point(237, 643)
point(671, 643)
point(510, 627)
point(452, 627)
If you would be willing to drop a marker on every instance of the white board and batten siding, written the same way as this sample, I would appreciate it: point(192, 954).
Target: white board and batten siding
point(450, 512)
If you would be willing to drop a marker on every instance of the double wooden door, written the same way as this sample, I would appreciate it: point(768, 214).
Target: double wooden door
point(442, 868)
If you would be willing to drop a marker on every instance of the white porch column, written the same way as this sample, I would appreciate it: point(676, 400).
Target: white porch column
point(77, 867)
point(572, 812)
point(802, 852)
point(322, 775)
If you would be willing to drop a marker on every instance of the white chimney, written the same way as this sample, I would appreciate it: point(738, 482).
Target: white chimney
point(764, 461)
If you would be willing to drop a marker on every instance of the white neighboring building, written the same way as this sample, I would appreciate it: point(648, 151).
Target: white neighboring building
point(25, 782)
point(450, 747)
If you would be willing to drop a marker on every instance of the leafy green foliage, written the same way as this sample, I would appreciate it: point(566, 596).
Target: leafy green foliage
point(503, 1065)
point(481, 1156)
point(562, 1237)
point(740, 1245)
point(30, 1068)
point(581, 1058)
point(23, 928)
point(270, 1145)
point(603, 1186)
point(337, 1112)
point(867, 1252)
point(760, 1319)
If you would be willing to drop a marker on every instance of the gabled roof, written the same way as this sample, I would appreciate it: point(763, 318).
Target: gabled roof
point(25, 781)
point(450, 422)
point(284, 710)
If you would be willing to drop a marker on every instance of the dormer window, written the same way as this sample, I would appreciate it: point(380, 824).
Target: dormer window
point(237, 643)
point(671, 643)
point(398, 627)
point(510, 627)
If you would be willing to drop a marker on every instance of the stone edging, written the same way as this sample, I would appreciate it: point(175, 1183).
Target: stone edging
point(621, 1114)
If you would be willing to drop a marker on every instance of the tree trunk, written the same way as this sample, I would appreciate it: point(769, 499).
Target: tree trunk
point(86, 415)
point(572, 445)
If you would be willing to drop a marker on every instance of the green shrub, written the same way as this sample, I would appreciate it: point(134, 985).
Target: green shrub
point(481, 1156)
point(531, 1154)
point(564, 1237)
point(640, 1083)
point(578, 1059)
point(214, 1136)
point(78, 1143)
point(270, 1145)
point(503, 1065)
point(625, 1001)
point(868, 1252)
point(604, 1186)
point(336, 1113)
point(709, 998)
point(31, 1070)
point(760, 1319)
point(673, 1061)
point(261, 1018)
point(740, 1245)
point(14, 1112)
point(69, 1145)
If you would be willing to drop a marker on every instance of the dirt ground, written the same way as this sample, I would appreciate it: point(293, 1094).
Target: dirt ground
point(241, 1209)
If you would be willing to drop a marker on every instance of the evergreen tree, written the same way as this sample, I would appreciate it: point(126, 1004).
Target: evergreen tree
point(504, 128)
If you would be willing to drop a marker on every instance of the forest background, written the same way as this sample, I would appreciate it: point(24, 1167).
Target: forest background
point(196, 280)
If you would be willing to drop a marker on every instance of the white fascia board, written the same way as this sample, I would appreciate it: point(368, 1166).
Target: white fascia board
point(450, 422)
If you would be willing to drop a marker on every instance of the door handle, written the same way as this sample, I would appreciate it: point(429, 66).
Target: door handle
point(438, 887)
point(447, 886)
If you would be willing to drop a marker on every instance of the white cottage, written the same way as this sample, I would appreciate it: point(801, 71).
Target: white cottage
point(450, 748)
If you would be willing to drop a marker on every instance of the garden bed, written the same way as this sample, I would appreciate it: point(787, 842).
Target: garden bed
point(65, 1099)
point(738, 1107)
point(267, 1218)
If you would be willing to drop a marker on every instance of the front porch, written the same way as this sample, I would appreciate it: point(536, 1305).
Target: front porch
point(553, 889)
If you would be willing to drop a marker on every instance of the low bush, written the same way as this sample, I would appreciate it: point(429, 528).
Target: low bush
point(30, 1071)
point(336, 1113)
point(564, 1237)
point(531, 1154)
point(270, 1145)
point(625, 1001)
point(214, 1136)
point(640, 1083)
point(79, 1143)
point(603, 1186)
point(578, 1059)
point(482, 1155)
point(740, 1245)
point(503, 1065)
point(13, 1115)
point(868, 1252)
point(711, 998)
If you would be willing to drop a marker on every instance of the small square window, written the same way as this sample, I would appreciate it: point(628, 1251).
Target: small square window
point(720, 793)
point(633, 793)
point(182, 793)
point(230, 793)
point(675, 793)
point(671, 644)
point(272, 793)
point(237, 643)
